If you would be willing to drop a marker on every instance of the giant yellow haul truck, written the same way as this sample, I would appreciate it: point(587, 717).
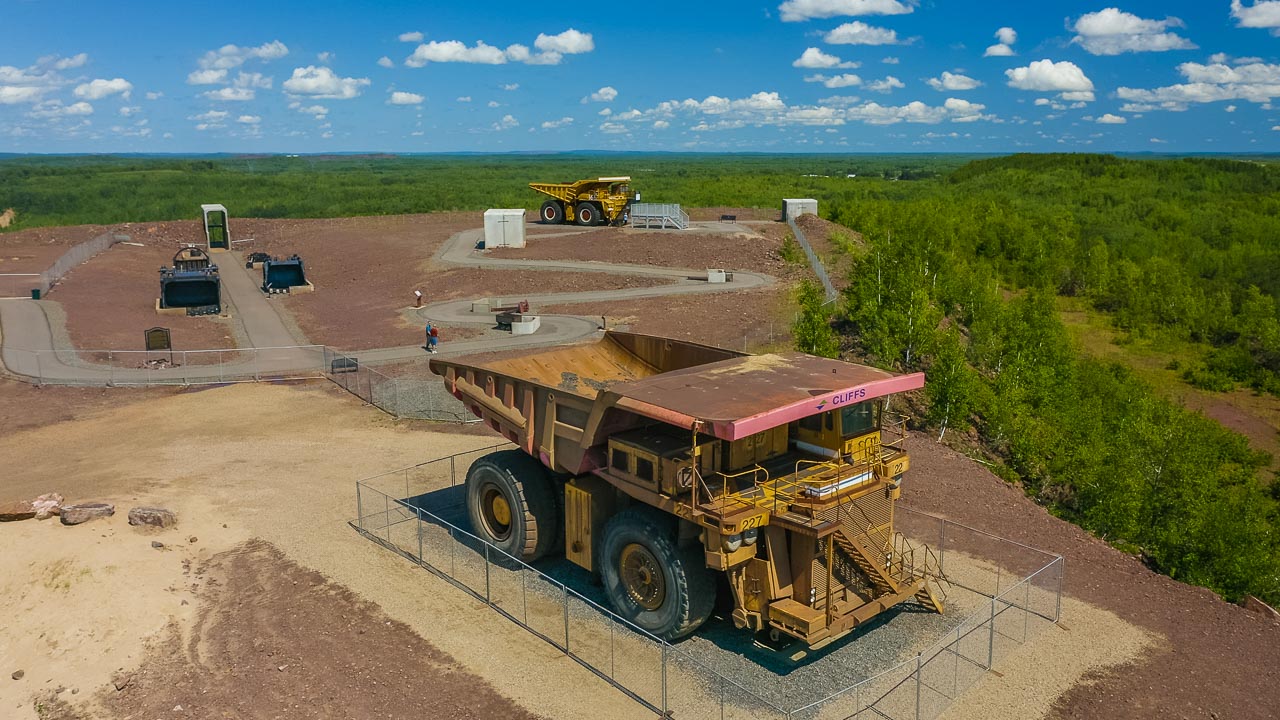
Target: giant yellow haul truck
point(657, 462)
point(586, 202)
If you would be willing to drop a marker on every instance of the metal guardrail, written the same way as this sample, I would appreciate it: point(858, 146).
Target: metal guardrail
point(1021, 596)
point(814, 261)
point(662, 214)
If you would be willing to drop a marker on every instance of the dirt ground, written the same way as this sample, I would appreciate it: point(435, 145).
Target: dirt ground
point(663, 249)
point(1218, 660)
point(300, 641)
point(754, 319)
point(269, 462)
point(34, 250)
point(110, 301)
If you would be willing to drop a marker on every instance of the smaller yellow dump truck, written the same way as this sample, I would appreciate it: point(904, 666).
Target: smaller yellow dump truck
point(587, 202)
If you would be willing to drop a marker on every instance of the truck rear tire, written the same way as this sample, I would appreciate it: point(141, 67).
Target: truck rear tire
point(652, 581)
point(552, 212)
point(512, 505)
point(588, 214)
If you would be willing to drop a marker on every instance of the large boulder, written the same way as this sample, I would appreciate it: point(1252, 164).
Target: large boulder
point(47, 505)
point(155, 517)
point(84, 512)
point(16, 510)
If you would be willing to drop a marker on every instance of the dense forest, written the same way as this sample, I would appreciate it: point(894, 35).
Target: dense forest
point(962, 269)
point(961, 278)
point(55, 190)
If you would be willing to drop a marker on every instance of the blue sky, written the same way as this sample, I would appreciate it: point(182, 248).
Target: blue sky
point(793, 76)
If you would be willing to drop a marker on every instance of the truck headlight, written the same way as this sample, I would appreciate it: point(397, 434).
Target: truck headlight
point(731, 542)
point(750, 536)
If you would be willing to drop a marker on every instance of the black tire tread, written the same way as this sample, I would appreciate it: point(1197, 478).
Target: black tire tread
point(695, 586)
point(535, 498)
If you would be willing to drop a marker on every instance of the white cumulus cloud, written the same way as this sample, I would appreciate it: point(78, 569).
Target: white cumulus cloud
point(553, 124)
point(455, 51)
point(837, 81)
point(1006, 37)
point(661, 125)
point(98, 89)
point(801, 10)
point(464, 98)
point(1049, 76)
point(415, 37)
point(55, 109)
point(952, 82)
point(405, 98)
point(605, 94)
point(1255, 82)
point(1110, 119)
point(230, 94)
point(814, 59)
point(321, 82)
point(569, 42)
point(1261, 14)
point(233, 56)
point(511, 86)
point(506, 123)
point(860, 33)
point(249, 119)
point(1112, 31)
point(888, 84)
point(207, 77)
point(386, 62)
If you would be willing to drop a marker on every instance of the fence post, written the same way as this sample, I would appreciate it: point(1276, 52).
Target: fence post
point(1062, 567)
point(918, 663)
point(421, 560)
point(453, 471)
point(566, 618)
point(664, 680)
point(942, 550)
point(991, 636)
point(488, 597)
point(359, 508)
point(1026, 608)
point(386, 501)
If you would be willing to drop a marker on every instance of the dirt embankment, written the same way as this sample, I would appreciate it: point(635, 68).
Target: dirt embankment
point(1218, 660)
point(274, 640)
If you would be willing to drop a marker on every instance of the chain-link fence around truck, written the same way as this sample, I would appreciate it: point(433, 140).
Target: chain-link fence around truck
point(405, 389)
point(419, 512)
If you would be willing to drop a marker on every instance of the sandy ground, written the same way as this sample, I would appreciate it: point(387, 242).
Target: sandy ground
point(233, 456)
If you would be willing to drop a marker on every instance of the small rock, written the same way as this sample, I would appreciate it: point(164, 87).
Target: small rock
point(192, 539)
point(47, 505)
point(177, 708)
point(282, 667)
point(17, 674)
point(157, 544)
point(16, 510)
point(121, 680)
point(75, 691)
point(84, 512)
point(153, 516)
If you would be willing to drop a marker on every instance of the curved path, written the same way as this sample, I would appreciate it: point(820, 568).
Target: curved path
point(28, 346)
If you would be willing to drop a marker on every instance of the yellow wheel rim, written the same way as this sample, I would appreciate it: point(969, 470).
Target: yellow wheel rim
point(642, 577)
point(496, 512)
point(501, 510)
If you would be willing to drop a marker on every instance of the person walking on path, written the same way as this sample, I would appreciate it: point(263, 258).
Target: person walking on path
point(433, 338)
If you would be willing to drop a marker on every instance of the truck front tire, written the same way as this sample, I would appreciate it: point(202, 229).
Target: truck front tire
point(512, 505)
point(552, 212)
point(649, 579)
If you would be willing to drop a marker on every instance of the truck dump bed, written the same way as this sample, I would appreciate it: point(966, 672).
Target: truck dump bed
point(629, 380)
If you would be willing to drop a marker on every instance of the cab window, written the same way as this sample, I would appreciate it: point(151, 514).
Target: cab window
point(857, 420)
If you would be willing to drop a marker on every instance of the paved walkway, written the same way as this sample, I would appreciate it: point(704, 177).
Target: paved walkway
point(27, 347)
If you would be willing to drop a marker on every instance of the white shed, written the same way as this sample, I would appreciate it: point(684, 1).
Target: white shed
point(503, 228)
point(793, 208)
point(217, 235)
